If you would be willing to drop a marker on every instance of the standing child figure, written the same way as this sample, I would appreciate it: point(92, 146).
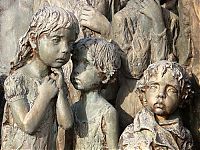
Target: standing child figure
point(95, 64)
point(164, 87)
point(35, 91)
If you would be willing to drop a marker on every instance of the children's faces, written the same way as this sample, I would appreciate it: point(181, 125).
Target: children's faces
point(54, 48)
point(84, 76)
point(162, 94)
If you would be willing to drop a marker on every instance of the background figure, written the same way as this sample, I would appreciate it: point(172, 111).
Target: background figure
point(188, 50)
point(142, 30)
point(35, 93)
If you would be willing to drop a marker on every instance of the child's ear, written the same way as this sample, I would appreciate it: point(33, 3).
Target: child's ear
point(33, 39)
point(105, 79)
point(141, 94)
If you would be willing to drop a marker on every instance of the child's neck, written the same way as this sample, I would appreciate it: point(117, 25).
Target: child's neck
point(91, 96)
point(160, 118)
point(37, 69)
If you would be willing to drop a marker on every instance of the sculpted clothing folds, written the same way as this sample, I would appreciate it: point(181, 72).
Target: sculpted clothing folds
point(21, 87)
point(145, 133)
point(129, 25)
point(90, 134)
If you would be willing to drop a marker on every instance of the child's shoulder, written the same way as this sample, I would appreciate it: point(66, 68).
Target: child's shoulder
point(106, 106)
point(16, 77)
point(14, 86)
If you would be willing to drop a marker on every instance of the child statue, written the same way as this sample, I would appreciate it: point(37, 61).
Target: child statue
point(35, 92)
point(96, 124)
point(163, 88)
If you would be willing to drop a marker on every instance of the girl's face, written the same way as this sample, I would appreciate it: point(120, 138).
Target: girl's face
point(54, 49)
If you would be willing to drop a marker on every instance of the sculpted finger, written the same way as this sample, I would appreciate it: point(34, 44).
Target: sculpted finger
point(136, 2)
point(88, 8)
point(142, 11)
point(38, 83)
point(84, 17)
point(46, 78)
point(84, 22)
point(51, 81)
point(55, 70)
point(54, 84)
point(85, 12)
point(157, 1)
point(53, 76)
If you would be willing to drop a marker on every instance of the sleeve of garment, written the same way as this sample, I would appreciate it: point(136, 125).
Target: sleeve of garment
point(174, 29)
point(14, 87)
point(159, 48)
point(121, 31)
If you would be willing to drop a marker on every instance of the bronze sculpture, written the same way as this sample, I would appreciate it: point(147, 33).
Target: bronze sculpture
point(96, 62)
point(146, 32)
point(35, 91)
point(164, 87)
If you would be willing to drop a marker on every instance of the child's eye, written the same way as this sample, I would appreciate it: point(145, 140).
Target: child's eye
point(153, 87)
point(56, 40)
point(172, 90)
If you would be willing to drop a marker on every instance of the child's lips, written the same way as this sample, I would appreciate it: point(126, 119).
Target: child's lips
point(60, 60)
point(161, 106)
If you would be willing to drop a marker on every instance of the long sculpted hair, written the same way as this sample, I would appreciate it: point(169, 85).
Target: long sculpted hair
point(44, 21)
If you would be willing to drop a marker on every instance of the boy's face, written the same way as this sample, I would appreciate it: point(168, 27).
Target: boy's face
point(162, 94)
point(84, 75)
point(54, 49)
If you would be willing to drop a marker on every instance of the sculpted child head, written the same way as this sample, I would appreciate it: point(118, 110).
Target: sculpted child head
point(51, 28)
point(164, 86)
point(95, 61)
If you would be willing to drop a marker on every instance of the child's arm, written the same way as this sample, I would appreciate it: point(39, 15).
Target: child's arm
point(111, 128)
point(29, 120)
point(63, 110)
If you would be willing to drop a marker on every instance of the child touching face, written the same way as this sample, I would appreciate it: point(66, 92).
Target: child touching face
point(35, 91)
point(163, 88)
point(95, 63)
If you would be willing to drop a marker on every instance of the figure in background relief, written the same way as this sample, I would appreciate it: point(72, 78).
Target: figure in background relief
point(95, 64)
point(35, 92)
point(164, 88)
point(146, 32)
point(189, 54)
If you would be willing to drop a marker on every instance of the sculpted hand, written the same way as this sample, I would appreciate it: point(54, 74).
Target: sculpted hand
point(94, 20)
point(47, 88)
point(58, 76)
point(151, 8)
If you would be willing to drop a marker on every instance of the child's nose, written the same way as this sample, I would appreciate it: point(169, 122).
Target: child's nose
point(65, 48)
point(162, 93)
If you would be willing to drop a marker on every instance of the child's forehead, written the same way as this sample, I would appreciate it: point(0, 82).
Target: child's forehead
point(166, 78)
point(63, 32)
point(57, 32)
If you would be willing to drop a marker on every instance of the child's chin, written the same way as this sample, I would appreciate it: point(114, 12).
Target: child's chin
point(57, 65)
point(159, 111)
